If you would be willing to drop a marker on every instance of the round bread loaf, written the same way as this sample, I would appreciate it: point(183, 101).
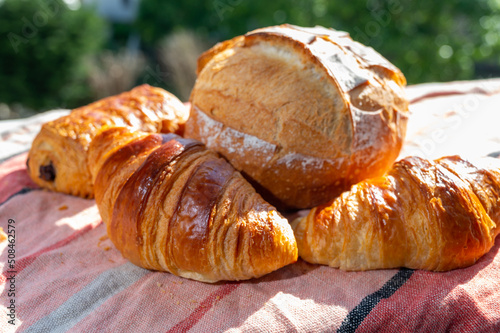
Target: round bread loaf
point(303, 113)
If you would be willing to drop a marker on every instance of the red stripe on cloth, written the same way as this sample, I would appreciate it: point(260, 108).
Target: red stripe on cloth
point(421, 92)
point(12, 185)
point(435, 94)
point(204, 306)
point(13, 177)
point(26, 261)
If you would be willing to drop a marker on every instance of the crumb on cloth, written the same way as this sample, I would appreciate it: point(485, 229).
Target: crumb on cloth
point(3, 235)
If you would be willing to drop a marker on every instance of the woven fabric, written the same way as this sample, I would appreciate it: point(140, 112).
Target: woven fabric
point(69, 277)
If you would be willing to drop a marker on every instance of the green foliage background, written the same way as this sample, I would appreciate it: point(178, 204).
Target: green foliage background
point(43, 45)
point(429, 40)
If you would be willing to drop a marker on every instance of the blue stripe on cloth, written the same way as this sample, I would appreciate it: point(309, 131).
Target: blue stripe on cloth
point(80, 305)
point(363, 309)
point(495, 154)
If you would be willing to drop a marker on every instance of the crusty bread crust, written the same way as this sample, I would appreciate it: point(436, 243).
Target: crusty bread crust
point(303, 112)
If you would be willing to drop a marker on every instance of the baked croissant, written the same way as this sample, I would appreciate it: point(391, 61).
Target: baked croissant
point(433, 215)
point(58, 156)
point(170, 204)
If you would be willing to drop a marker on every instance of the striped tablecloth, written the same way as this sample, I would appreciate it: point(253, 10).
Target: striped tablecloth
point(67, 275)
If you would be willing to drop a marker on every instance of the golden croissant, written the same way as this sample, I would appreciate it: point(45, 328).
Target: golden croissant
point(170, 204)
point(433, 215)
point(58, 156)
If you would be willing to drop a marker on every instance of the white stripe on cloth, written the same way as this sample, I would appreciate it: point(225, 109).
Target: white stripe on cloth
point(17, 135)
point(78, 306)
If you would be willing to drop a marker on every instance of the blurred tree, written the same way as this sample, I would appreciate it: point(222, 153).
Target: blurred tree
point(429, 40)
point(42, 49)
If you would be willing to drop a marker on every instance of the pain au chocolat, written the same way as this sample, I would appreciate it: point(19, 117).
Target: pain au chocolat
point(303, 113)
point(58, 156)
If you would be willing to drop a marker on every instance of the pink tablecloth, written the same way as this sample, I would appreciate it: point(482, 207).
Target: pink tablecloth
point(69, 277)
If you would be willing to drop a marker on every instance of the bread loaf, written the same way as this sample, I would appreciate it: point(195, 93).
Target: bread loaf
point(303, 113)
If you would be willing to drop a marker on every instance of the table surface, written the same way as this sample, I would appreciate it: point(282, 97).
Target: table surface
point(69, 277)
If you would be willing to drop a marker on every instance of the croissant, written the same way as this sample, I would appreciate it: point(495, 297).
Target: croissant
point(58, 156)
point(433, 215)
point(170, 204)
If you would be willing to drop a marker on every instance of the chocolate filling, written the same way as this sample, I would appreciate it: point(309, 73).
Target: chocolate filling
point(47, 172)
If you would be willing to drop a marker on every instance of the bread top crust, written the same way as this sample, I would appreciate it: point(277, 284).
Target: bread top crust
point(316, 81)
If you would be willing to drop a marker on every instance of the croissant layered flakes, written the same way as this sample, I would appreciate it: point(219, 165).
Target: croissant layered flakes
point(304, 113)
point(172, 205)
point(433, 215)
point(58, 156)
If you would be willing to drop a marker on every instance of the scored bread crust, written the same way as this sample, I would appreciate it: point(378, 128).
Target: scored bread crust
point(303, 113)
